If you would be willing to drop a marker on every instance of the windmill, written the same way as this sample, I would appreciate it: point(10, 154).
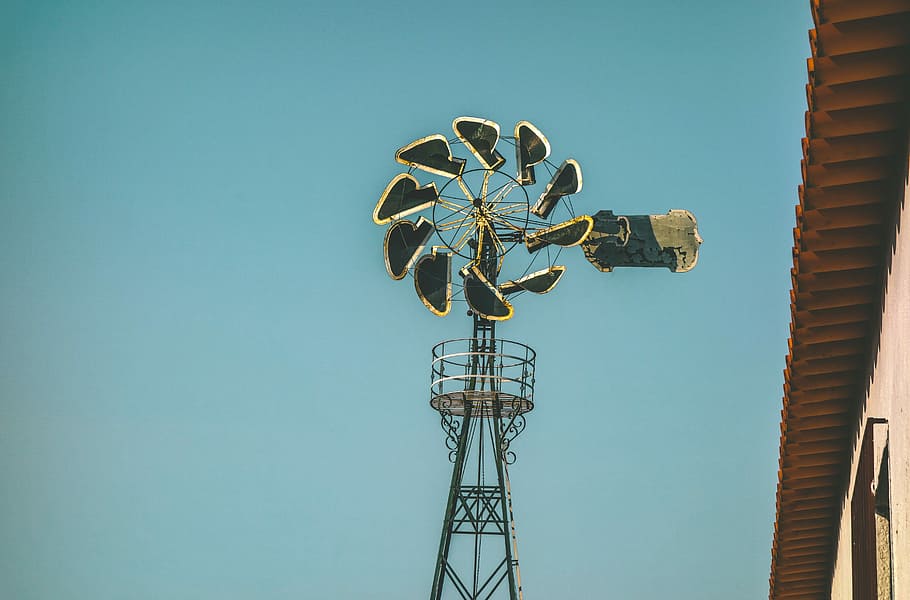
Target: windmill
point(482, 386)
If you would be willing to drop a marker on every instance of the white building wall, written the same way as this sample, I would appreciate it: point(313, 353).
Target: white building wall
point(842, 587)
point(889, 398)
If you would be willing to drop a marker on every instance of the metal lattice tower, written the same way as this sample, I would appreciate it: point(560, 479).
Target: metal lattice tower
point(481, 387)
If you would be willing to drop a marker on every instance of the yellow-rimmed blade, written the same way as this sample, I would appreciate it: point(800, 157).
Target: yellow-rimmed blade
point(480, 137)
point(539, 282)
point(568, 233)
point(433, 281)
point(566, 181)
point(404, 241)
point(402, 197)
point(433, 155)
point(531, 148)
point(483, 298)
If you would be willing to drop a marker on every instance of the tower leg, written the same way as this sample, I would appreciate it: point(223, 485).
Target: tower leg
point(440, 573)
point(510, 540)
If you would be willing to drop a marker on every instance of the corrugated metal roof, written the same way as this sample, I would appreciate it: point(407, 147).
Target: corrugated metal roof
point(854, 159)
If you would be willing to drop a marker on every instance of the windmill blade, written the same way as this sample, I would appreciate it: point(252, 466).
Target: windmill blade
point(566, 181)
point(433, 155)
point(483, 298)
point(565, 234)
point(531, 148)
point(402, 197)
point(404, 241)
point(480, 136)
point(433, 281)
point(539, 282)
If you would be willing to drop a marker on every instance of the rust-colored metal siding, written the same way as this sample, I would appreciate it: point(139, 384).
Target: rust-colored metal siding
point(854, 157)
point(862, 522)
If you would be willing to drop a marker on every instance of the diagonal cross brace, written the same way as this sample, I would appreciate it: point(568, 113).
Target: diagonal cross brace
point(478, 508)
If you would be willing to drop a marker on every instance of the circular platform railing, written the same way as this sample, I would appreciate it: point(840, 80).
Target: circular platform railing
point(494, 377)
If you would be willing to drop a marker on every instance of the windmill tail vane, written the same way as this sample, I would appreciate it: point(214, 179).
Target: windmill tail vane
point(469, 221)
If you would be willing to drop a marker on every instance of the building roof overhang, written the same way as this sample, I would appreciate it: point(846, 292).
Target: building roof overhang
point(853, 169)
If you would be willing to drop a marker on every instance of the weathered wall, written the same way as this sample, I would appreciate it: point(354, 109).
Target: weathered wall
point(889, 398)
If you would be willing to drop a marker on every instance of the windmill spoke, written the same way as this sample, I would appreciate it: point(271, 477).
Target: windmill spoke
point(465, 189)
point(501, 192)
point(446, 202)
point(499, 245)
point(503, 221)
point(485, 185)
point(453, 215)
point(511, 207)
point(466, 212)
point(500, 249)
point(465, 236)
point(538, 223)
point(454, 222)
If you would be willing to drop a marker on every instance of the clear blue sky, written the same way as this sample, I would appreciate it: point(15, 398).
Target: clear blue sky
point(209, 387)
